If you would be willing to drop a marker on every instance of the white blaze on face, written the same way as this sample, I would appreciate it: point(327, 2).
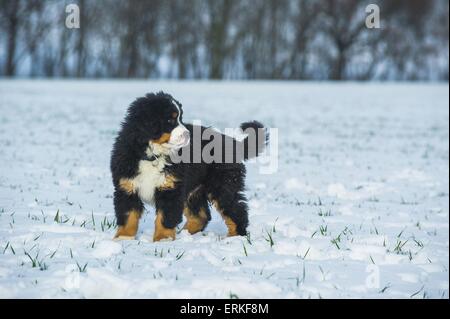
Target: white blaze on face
point(179, 137)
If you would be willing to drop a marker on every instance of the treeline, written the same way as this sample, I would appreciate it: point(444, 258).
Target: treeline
point(226, 39)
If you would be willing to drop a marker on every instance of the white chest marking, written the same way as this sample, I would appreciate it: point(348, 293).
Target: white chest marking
point(150, 176)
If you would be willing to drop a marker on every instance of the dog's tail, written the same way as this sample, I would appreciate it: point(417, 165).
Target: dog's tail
point(256, 140)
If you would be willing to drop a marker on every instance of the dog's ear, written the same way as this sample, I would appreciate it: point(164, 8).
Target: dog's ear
point(141, 138)
point(147, 129)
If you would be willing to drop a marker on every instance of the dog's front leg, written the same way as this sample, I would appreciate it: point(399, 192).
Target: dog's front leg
point(169, 213)
point(128, 208)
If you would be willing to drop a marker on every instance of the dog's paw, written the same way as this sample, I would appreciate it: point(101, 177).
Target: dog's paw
point(168, 235)
point(121, 237)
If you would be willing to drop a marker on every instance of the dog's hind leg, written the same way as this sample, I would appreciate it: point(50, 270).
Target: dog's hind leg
point(226, 194)
point(234, 214)
point(196, 210)
point(128, 208)
point(169, 213)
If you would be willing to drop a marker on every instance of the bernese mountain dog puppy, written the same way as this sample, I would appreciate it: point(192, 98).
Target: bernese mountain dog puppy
point(143, 171)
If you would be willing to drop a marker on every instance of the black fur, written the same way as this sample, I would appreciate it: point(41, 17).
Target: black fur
point(197, 183)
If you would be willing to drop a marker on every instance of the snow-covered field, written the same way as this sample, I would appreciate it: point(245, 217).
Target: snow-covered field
point(359, 206)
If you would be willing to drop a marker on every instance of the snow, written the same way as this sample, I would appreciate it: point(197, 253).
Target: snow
point(359, 205)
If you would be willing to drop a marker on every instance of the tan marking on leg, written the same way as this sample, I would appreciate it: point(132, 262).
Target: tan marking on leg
point(195, 223)
point(129, 230)
point(127, 185)
point(162, 232)
point(231, 225)
point(164, 138)
point(169, 183)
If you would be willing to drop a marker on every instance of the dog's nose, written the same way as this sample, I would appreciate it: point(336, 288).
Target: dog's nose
point(180, 136)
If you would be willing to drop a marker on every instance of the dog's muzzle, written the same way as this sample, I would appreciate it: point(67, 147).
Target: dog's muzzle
point(180, 137)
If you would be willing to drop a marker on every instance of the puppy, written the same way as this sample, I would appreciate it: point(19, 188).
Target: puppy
point(143, 170)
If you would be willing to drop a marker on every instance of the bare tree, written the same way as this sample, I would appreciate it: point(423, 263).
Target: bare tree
point(305, 30)
point(343, 23)
point(261, 40)
point(182, 25)
point(250, 40)
point(217, 35)
point(12, 13)
point(35, 30)
point(137, 29)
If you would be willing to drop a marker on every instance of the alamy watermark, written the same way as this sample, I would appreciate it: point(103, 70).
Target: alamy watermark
point(373, 19)
point(208, 145)
point(73, 16)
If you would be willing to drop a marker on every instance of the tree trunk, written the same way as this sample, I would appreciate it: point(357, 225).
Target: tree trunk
point(13, 23)
point(218, 36)
point(341, 60)
point(81, 42)
point(339, 67)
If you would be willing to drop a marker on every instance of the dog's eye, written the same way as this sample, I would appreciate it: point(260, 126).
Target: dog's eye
point(171, 121)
